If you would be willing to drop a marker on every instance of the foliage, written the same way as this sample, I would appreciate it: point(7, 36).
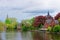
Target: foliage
point(59, 20)
point(56, 28)
point(39, 20)
point(57, 16)
point(49, 28)
point(27, 23)
point(2, 25)
point(32, 28)
point(30, 24)
point(24, 28)
point(11, 23)
point(8, 21)
point(40, 26)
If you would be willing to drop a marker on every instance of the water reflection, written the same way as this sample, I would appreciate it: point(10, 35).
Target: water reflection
point(18, 36)
point(28, 36)
point(11, 36)
point(37, 36)
point(2, 36)
point(54, 36)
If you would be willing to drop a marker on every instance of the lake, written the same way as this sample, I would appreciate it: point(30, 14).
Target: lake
point(40, 35)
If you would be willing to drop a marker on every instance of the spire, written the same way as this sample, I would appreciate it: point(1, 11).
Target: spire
point(48, 13)
point(7, 15)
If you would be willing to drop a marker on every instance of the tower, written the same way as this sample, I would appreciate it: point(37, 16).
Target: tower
point(7, 15)
point(49, 16)
point(48, 13)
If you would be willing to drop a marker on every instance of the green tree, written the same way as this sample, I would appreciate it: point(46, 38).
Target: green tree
point(59, 20)
point(49, 28)
point(56, 28)
point(2, 25)
point(27, 24)
point(11, 23)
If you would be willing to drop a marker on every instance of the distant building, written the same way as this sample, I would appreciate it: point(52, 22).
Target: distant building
point(50, 21)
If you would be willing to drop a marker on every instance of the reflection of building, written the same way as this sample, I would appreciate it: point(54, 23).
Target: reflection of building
point(37, 36)
point(19, 26)
point(50, 21)
point(2, 36)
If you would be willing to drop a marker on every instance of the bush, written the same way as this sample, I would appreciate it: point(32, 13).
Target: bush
point(32, 28)
point(56, 28)
point(24, 28)
point(49, 28)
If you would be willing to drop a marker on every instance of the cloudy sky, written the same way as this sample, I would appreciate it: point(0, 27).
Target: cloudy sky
point(24, 9)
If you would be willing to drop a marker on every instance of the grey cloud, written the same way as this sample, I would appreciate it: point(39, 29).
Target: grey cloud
point(39, 11)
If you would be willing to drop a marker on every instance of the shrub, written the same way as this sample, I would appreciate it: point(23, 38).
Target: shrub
point(24, 28)
point(49, 28)
point(32, 28)
point(56, 28)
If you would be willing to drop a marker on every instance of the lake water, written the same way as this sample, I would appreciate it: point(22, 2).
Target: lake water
point(28, 36)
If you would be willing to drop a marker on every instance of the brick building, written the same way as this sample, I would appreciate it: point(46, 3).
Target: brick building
point(50, 21)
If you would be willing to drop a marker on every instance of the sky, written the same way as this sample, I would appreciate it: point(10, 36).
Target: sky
point(25, 9)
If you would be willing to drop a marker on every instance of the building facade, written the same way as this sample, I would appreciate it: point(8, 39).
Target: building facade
point(50, 21)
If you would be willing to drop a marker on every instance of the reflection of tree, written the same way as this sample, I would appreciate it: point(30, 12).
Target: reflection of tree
point(11, 36)
point(51, 36)
point(3, 36)
point(55, 36)
point(47, 36)
point(0, 36)
point(26, 35)
point(18, 37)
point(37, 36)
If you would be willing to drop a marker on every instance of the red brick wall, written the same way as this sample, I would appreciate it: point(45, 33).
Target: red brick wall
point(51, 24)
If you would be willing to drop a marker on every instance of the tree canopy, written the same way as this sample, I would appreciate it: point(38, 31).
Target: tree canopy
point(11, 22)
point(39, 20)
point(57, 16)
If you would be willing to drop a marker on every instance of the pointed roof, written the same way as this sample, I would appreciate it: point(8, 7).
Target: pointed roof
point(48, 16)
point(48, 13)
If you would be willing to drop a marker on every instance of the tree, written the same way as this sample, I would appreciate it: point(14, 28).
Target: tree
point(59, 20)
point(28, 22)
point(56, 28)
point(57, 16)
point(11, 23)
point(2, 26)
point(39, 20)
